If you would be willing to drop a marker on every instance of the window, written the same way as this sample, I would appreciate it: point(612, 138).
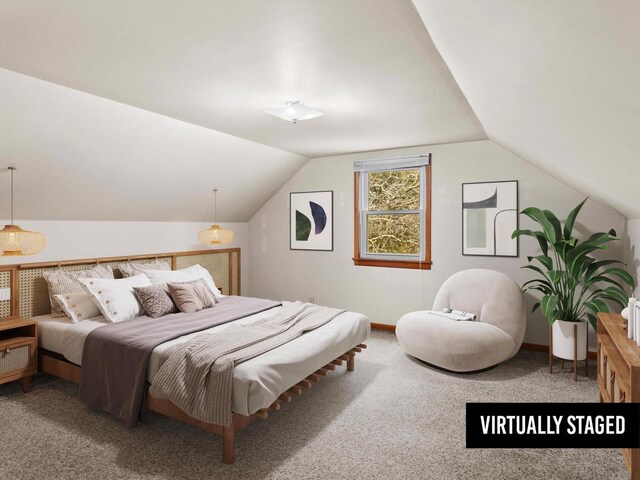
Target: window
point(392, 212)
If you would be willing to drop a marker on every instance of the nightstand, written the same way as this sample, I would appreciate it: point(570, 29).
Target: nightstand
point(18, 351)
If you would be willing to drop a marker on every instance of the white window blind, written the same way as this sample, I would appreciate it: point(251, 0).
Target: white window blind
point(392, 163)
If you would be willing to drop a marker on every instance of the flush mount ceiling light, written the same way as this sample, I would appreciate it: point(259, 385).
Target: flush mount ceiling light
point(295, 112)
point(215, 234)
point(15, 241)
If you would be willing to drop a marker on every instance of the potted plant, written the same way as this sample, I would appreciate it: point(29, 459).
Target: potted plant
point(575, 286)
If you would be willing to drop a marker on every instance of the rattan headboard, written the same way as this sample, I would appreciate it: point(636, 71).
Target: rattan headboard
point(30, 297)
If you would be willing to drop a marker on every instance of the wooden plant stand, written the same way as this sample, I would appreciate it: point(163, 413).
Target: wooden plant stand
point(56, 365)
point(575, 353)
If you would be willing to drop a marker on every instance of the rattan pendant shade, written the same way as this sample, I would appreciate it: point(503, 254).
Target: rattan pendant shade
point(14, 241)
point(215, 234)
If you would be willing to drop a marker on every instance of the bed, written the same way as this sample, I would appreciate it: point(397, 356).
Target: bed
point(260, 384)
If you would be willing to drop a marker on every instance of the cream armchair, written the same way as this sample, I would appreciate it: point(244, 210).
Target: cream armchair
point(465, 346)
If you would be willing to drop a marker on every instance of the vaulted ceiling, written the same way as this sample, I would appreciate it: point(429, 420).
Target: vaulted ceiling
point(157, 102)
point(554, 82)
point(104, 102)
point(370, 66)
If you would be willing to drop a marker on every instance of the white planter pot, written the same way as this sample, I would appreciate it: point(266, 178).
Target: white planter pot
point(563, 339)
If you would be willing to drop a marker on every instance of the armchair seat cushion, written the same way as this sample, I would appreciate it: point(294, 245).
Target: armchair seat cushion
point(457, 346)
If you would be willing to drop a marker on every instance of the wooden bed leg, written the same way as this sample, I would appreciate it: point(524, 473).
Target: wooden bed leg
point(351, 363)
point(228, 445)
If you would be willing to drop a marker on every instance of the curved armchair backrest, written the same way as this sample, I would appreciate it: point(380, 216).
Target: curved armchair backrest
point(493, 296)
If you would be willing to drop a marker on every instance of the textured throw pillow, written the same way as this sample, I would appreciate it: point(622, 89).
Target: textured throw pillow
point(115, 298)
point(155, 300)
point(160, 277)
point(191, 297)
point(61, 282)
point(78, 306)
point(129, 269)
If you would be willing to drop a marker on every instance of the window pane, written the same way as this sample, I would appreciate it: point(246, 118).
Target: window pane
point(398, 233)
point(395, 190)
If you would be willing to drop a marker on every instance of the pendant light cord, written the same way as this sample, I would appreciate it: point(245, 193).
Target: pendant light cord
point(215, 206)
point(12, 169)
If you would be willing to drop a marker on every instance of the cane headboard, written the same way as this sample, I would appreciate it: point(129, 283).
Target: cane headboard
point(30, 297)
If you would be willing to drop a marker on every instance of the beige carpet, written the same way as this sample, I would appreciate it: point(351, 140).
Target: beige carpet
point(393, 418)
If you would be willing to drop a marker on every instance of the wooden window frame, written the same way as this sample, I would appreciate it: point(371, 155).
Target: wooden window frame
point(424, 264)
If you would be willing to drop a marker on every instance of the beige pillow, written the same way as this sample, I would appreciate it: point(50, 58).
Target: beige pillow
point(62, 282)
point(129, 269)
point(192, 296)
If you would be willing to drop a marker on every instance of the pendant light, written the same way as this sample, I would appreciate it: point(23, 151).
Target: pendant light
point(15, 241)
point(215, 234)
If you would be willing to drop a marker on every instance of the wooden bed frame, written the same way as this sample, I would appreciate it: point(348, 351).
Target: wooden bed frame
point(29, 298)
point(56, 365)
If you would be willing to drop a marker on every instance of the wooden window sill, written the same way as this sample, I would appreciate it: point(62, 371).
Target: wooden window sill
point(366, 262)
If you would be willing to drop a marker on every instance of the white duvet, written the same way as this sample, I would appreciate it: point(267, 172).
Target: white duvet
point(258, 382)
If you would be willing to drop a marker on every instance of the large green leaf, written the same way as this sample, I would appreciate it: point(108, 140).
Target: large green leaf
point(548, 305)
point(602, 278)
point(535, 307)
point(553, 220)
point(544, 245)
point(556, 276)
point(544, 260)
point(623, 274)
point(568, 225)
point(538, 216)
point(597, 306)
point(597, 265)
point(537, 269)
point(599, 238)
point(592, 320)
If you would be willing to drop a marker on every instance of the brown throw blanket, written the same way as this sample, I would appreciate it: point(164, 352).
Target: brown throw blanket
point(198, 375)
point(115, 357)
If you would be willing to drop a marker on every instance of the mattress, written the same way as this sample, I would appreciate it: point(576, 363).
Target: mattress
point(258, 382)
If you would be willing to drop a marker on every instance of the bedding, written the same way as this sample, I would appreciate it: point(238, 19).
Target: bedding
point(115, 357)
point(61, 282)
point(206, 363)
point(196, 272)
point(258, 382)
point(115, 298)
point(129, 269)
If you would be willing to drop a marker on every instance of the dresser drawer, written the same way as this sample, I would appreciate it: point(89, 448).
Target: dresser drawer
point(17, 358)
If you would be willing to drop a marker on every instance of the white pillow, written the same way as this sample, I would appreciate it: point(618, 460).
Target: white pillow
point(159, 277)
point(78, 306)
point(116, 298)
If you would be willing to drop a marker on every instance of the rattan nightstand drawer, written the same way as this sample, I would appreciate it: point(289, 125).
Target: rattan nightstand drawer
point(17, 356)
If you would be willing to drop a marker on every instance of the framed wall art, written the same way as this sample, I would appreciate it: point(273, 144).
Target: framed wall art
point(489, 217)
point(311, 220)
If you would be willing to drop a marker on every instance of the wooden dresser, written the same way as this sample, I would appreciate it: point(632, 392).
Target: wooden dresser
point(619, 373)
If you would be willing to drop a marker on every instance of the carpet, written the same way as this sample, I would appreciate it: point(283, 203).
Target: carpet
point(393, 418)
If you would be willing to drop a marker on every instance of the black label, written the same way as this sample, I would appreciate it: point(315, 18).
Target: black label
point(553, 425)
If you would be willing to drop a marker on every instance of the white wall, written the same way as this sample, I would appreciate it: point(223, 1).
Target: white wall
point(633, 253)
point(75, 240)
point(384, 294)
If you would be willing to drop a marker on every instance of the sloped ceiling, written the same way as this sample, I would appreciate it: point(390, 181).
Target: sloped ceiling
point(554, 82)
point(370, 66)
point(82, 157)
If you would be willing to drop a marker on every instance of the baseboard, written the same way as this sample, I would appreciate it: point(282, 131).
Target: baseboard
point(383, 326)
point(534, 347)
